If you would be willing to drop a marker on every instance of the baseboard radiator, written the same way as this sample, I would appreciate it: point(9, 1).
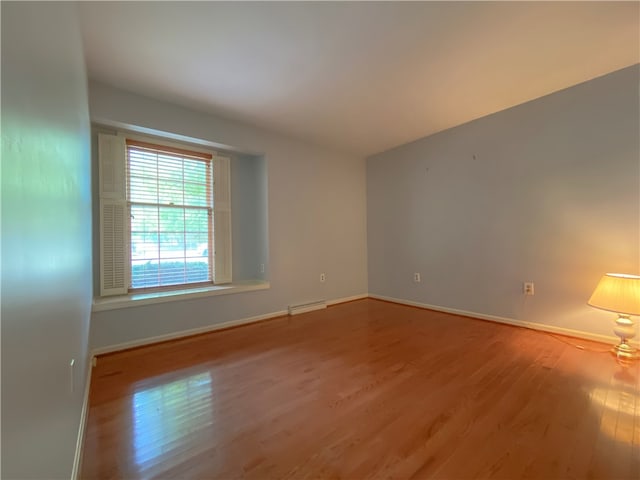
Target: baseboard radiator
point(307, 307)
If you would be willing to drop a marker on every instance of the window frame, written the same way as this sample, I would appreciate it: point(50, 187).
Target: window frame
point(178, 150)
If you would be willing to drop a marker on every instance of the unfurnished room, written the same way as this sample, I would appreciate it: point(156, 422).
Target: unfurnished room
point(292, 240)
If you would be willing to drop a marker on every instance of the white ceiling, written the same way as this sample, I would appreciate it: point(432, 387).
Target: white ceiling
point(361, 77)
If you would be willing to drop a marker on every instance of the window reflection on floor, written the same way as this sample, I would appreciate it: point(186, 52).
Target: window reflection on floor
point(166, 415)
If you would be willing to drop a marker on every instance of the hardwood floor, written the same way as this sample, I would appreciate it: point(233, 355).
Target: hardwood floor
point(367, 389)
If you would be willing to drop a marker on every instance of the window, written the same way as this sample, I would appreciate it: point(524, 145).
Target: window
point(163, 209)
point(171, 212)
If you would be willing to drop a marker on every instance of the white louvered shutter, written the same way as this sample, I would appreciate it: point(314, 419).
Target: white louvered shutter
point(222, 219)
point(113, 215)
point(112, 173)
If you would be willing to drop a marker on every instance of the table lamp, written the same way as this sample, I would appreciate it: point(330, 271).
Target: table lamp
point(620, 293)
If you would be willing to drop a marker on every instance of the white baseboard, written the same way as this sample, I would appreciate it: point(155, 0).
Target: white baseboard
point(77, 460)
point(209, 328)
point(185, 333)
point(347, 299)
point(509, 321)
point(244, 321)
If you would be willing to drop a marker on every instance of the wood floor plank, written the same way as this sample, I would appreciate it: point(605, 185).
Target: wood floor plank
point(367, 389)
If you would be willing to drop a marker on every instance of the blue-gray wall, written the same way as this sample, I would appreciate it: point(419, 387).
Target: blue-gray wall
point(249, 212)
point(548, 191)
point(46, 238)
point(298, 208)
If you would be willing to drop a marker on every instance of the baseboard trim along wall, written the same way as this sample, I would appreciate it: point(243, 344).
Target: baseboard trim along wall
point(509, 321)
point(77, 460)
point(208, 328)
point(245, 321)
point(185, 333)
point(347, 299)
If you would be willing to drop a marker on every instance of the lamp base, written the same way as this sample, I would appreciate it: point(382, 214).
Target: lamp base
point(625, 351)
point(625, 329)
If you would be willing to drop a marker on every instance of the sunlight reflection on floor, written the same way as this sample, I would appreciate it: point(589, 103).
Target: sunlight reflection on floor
point(619, 401)
point(164, 414)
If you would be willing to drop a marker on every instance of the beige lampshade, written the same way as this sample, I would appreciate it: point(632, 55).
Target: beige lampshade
point(617, 292)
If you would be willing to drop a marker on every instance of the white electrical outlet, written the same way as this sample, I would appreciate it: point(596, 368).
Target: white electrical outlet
point(528, 288)
point(323, 278)
point(262, 268)
point(416, 278)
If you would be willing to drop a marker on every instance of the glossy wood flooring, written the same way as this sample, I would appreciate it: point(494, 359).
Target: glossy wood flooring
point(363, 390)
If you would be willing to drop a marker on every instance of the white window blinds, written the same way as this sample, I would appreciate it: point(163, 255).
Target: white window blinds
point(171, 211)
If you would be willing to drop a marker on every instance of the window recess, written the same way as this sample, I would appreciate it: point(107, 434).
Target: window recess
point(165, 216)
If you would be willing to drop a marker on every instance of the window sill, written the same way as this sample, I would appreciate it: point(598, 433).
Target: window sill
point(101, 304)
